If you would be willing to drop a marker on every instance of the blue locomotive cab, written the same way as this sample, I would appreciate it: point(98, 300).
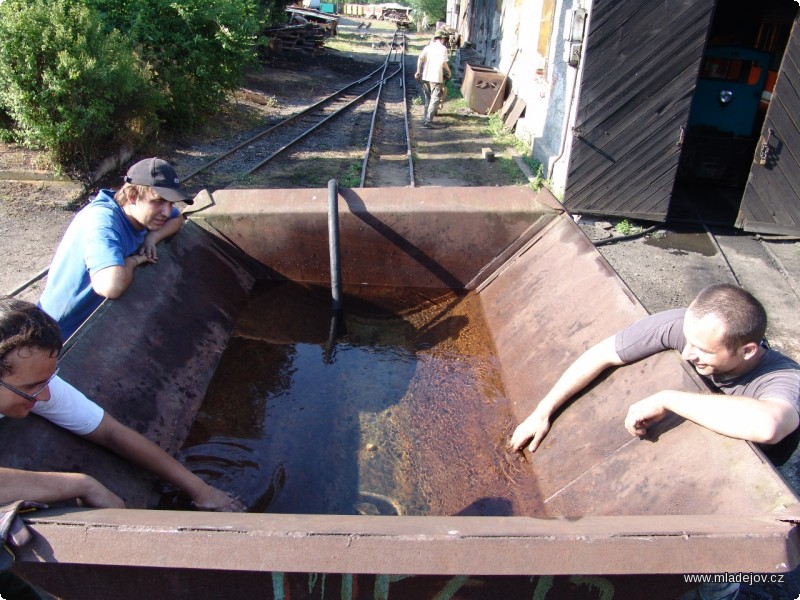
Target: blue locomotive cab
point(729, 90)
point(724, 121)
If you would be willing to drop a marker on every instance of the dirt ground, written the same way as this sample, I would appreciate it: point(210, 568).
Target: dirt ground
point(36, 204)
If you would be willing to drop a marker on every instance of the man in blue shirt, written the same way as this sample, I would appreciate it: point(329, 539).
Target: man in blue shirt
point(109, 239)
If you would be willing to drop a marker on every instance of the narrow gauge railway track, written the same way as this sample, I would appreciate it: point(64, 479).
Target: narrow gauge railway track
point(253, 154)
point(389, 142)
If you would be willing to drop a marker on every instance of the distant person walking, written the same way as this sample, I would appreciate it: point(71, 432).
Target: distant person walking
point(433, 71)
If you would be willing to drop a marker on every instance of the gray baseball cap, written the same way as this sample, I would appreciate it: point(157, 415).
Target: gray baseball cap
point(159, 175)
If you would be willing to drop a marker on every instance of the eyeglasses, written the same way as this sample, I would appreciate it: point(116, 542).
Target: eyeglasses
point(30, 397)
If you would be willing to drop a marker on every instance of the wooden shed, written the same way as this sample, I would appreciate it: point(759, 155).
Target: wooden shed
point(676, 110)
point(639, 91)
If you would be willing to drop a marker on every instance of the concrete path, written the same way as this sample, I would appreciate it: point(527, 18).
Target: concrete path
point(667, 268)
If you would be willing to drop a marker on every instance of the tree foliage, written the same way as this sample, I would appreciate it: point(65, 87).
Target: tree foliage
point(73, 73)
point(434, 10)
point(197, 49)
point(65, 80)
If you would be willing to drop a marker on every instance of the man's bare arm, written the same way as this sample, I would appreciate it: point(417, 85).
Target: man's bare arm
point(577, 376)
point(48, 487)
point(112, 282)
point(762, 420)
point(139, 450)
point(420, 63)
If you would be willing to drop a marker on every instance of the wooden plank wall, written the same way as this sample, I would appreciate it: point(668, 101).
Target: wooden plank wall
point(639, 75)
point(771, 202)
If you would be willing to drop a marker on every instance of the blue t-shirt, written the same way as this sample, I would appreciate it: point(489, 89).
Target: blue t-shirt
point(99, 236)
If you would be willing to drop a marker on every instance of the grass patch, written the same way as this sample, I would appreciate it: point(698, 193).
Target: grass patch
point(454, 93)
point(511, 170)
point(625, 227)
point(459, 104)
point(499, 134)
point(505, 138)
point(352, 177)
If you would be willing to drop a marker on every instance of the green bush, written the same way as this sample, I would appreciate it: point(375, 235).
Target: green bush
point(67, 81)
point(197, 49)
point(435, 10)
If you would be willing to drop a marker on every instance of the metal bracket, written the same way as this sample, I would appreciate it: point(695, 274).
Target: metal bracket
point(765, 149)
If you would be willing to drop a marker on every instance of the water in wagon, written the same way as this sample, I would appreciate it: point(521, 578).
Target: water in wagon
point(401, 410)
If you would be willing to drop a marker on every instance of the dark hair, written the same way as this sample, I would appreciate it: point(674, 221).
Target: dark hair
point(25, 325)
point(743, 316)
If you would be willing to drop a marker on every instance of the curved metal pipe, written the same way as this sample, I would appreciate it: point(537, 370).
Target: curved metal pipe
point(630, 236)
point(333, 243)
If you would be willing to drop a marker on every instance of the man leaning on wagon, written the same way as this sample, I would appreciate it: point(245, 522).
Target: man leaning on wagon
point(29, 383)
point(108, 239)
point(721, 335)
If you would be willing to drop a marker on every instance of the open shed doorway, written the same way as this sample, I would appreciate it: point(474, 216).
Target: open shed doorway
point(741, 61)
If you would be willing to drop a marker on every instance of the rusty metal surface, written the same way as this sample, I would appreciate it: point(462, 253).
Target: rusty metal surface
point(203, 584)
point(414, 545)
point(690, 501)
point(146, 358)
point(426, 237)
point(589, 464)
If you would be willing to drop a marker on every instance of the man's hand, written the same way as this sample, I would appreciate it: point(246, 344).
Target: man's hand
point(170, 228)
point(644, 413)
point(533, 430)
point(148, 247)
point(417, 76)
point(216, 500)
point(138, 449)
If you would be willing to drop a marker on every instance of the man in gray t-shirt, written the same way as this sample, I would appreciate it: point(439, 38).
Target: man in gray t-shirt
point(720, 336)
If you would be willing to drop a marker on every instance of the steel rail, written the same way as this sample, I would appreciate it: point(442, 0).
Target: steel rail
point(411, 179)
point(370, 137)
point(21, 288)
point(317, 125)
point(283, 123)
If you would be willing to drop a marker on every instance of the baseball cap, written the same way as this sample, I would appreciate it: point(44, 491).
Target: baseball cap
point(439, 34)
point(159, 175)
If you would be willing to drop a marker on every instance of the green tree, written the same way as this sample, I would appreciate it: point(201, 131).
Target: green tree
point(66, 80)
point(435, 10)
point(197, 49)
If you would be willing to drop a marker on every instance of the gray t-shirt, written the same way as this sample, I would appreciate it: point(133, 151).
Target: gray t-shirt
point(776, 376)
